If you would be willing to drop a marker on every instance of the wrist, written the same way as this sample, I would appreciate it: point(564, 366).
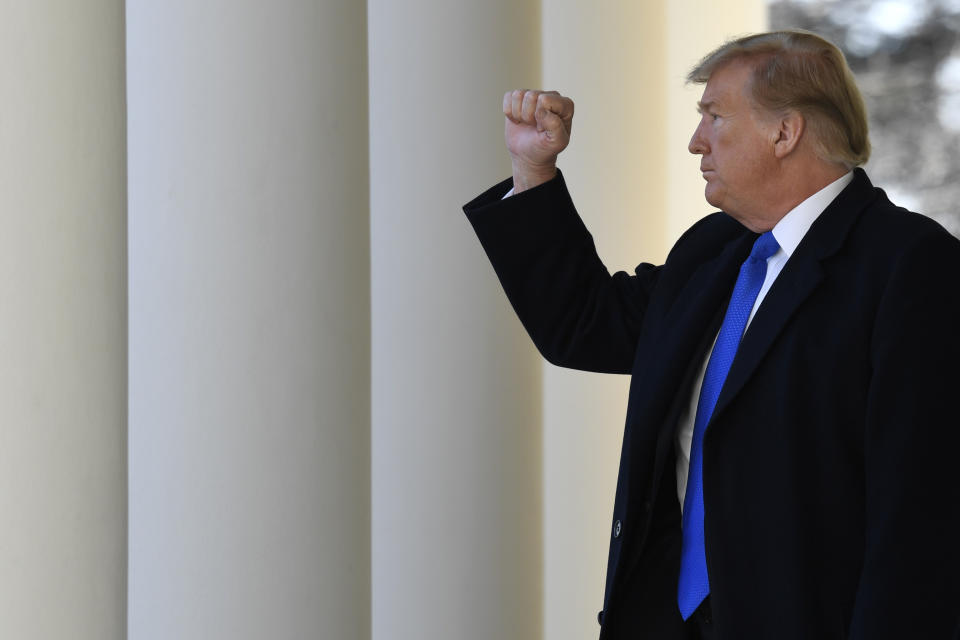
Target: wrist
point(527, 176)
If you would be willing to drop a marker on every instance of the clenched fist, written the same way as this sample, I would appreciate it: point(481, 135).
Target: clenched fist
point(537, 129)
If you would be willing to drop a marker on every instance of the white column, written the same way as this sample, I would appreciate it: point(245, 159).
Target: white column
point(249, 320)
point(456, 383)
point(627, 167)
point(62, 328)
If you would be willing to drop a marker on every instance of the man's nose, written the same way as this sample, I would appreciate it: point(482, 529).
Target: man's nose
point(697, 144)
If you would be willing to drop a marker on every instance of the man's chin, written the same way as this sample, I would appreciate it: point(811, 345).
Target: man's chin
point(712, 197)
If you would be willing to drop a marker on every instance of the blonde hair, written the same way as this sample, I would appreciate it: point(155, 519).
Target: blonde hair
point(799, 70)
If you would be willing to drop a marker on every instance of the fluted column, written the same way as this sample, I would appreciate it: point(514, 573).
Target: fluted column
point(62, 327)
point(249, 320)
point(456, 383)
point(636, 188)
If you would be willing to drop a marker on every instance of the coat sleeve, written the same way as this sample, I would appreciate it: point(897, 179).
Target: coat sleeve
point(910, 582)
point(577, 314)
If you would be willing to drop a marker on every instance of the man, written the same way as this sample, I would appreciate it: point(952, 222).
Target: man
point(794, 363)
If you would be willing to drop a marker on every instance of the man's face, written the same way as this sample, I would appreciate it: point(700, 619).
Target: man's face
point(735, 142)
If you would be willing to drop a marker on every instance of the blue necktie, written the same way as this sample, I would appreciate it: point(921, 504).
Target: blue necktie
point(694, 585)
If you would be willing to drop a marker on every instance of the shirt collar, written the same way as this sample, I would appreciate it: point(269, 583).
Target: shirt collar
point(793, 226)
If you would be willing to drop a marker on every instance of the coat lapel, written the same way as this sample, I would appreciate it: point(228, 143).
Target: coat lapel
point(799, 278)
point(690, 319)
point(686, 333)
point(692, 323)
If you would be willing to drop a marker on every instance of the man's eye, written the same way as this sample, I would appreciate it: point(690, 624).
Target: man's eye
point(714, 116)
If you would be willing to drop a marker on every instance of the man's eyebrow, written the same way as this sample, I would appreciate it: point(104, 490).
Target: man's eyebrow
point(704, 106)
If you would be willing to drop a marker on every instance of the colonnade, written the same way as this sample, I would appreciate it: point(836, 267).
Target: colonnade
point(233, 239)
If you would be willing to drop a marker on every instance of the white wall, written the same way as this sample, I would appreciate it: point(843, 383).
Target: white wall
point(62, 328)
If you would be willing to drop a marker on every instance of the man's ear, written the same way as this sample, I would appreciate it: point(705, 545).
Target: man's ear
point(791, 128)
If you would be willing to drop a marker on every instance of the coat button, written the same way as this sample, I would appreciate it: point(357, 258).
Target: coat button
point(600, 617)
point(617, 527)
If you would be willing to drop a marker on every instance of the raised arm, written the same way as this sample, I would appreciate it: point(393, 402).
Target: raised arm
point(577, 314)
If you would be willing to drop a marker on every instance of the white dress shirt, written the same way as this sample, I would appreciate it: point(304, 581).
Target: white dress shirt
point(788, 234)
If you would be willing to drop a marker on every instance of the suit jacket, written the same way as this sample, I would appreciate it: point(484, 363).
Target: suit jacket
point(831, 491)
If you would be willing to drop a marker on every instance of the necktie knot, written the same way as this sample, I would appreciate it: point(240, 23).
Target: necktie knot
point(765, 246)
